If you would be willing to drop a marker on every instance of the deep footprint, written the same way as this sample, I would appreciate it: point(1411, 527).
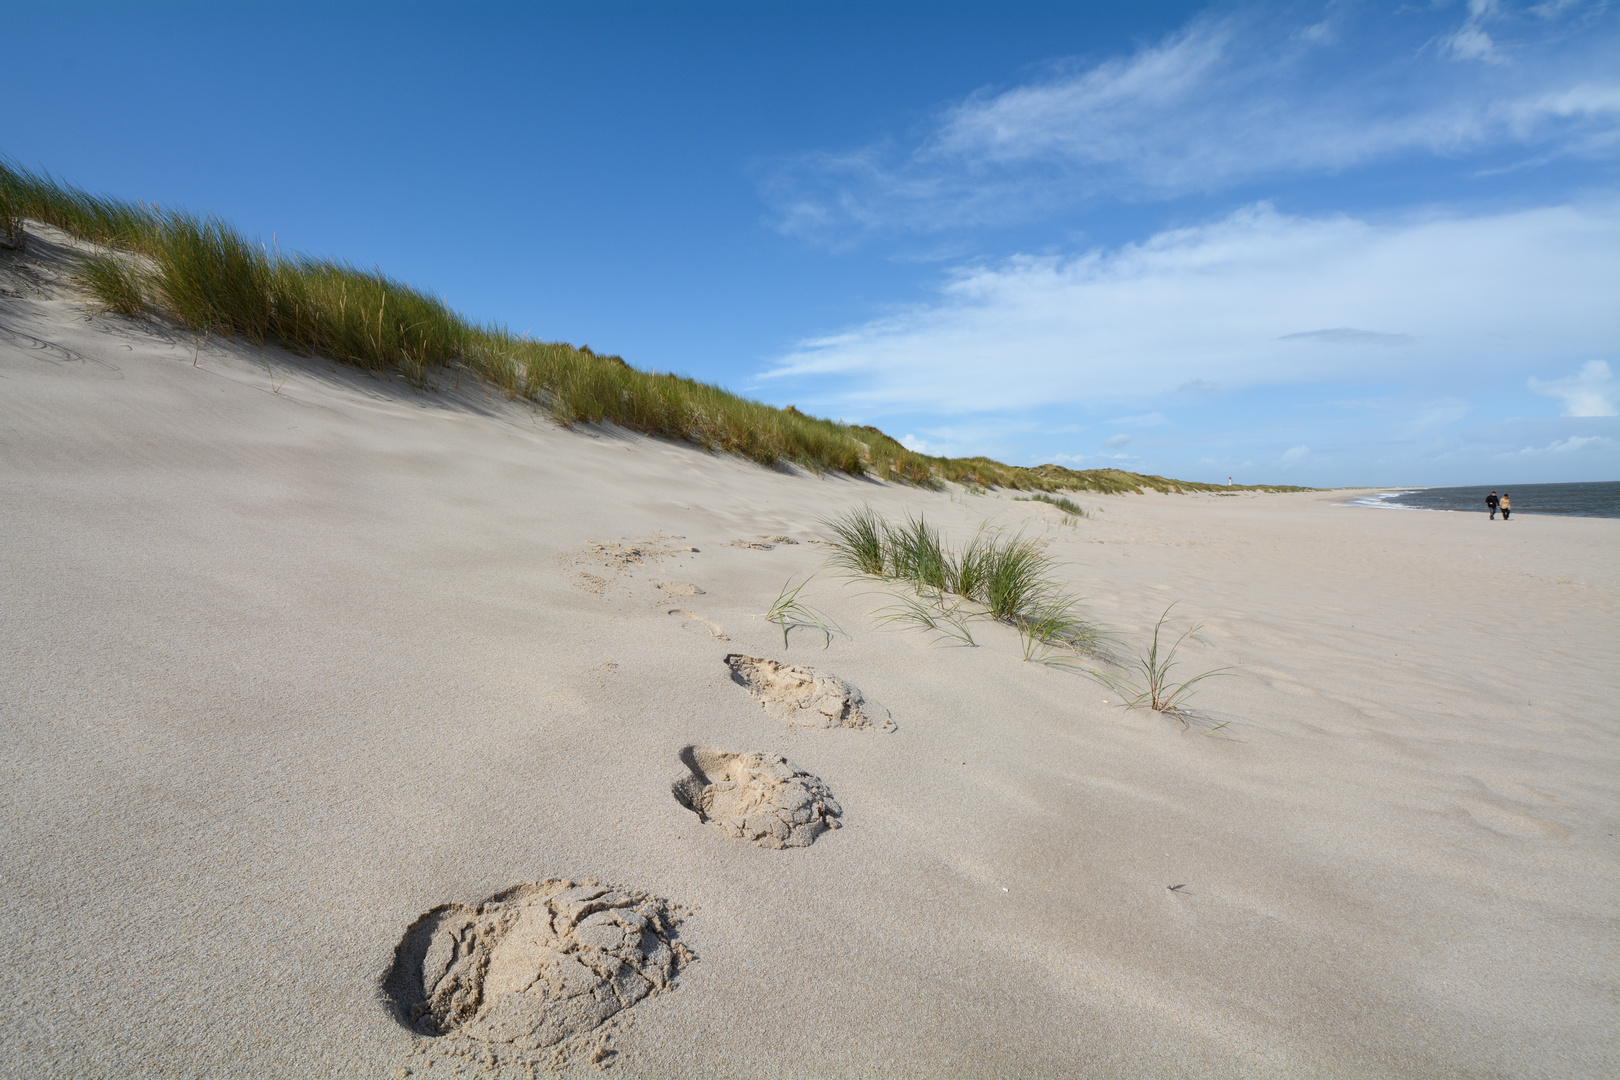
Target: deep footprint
point(535, 966)
point(757, 797)
point(803, 698)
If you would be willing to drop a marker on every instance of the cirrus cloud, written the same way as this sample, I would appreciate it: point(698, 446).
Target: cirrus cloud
point(1223, 101)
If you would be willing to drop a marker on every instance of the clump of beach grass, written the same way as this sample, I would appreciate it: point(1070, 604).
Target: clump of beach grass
point(115, 282)
point(1156, 689)
point(948, 619)
point(858, 541)
point(1052, 632)
point(1008, 579)
point(913, 553)
point(11, 234)
point(1068, 506)
point(788, 611)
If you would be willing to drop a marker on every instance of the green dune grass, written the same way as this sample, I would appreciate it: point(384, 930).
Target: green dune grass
point(206, 276)
point(1011, 579)
point(1066, 505)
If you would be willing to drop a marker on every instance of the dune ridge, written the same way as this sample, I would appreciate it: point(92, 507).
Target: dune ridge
point(200, 272)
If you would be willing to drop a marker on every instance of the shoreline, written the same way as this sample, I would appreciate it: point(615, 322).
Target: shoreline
point(1379, 502)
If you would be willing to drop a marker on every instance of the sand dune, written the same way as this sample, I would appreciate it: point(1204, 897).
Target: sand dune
point(295, 657)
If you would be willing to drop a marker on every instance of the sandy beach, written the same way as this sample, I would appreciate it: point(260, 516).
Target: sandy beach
point(292, 656)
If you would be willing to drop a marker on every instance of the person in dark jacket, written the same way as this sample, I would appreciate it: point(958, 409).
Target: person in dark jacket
point(1490, 502)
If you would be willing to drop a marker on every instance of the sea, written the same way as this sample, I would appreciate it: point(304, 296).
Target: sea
point(1573, 500)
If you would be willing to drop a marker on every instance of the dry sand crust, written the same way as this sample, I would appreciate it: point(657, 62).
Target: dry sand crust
point(285, 664)
point(800, 696)
point(756, 797)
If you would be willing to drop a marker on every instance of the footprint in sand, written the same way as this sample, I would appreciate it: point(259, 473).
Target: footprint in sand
point(691, 619)
point(592, 584)
point(1506, 818)
point(757, 797)
point(802, 698)
point(636, 552)
point(535, 967)
point(679, 588)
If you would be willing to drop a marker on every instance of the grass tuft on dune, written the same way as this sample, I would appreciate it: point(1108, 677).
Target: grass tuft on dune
point(203, 274)
point(1068, 506)
point(1009, 577)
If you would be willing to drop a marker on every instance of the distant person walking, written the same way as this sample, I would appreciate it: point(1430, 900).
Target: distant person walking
point(1507, 507)
point(1490, 502)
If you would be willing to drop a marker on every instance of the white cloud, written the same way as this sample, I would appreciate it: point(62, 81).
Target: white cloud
point(1115, 441)
point(1567, 446)
point(1344, 335)
point(1470, 41)
point(1219, 302)
point(1321, 33)
point(1437, 415)
point(1554, 8)
point(997, 436)
point(1591, 391)
point(1220, 102)
point(1296, 455)
point(1081, 459)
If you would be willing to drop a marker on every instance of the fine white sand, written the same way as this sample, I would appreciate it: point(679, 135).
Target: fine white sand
point(290, 658)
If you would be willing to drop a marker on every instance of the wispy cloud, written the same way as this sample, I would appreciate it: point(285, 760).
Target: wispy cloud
point(1436, 415)
point(1591, 391)
point(1552, 9)
point(1344, 335)
point(1220, 102)
point(1571, 445)
point(1470, 41)
point(1152, 419)
point(1088, 459)
point(1481, 297)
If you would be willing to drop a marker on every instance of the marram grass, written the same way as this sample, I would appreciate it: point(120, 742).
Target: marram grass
point(1068, 506)
point(1010, 579)
point(203, 274)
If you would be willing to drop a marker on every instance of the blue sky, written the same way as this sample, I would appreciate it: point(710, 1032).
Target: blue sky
point(1329, 244)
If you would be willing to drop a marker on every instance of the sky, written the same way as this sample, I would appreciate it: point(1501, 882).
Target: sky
point(1312, 243)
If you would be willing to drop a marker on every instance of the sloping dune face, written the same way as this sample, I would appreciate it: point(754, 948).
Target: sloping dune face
point(328, 704)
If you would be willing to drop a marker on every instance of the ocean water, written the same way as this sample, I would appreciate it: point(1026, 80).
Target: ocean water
point(1577, 500)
